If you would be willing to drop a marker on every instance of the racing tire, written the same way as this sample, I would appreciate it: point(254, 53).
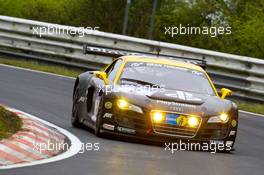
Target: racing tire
point(75, 118)
point(98, 123)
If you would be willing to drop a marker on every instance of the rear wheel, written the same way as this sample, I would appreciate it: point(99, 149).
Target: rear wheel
point(75, 118)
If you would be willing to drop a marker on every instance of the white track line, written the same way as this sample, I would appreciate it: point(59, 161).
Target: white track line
point(74, 149)
point(30, 70)
point(252, 113)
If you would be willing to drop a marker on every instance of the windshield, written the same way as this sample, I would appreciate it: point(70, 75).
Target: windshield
point(169, 77)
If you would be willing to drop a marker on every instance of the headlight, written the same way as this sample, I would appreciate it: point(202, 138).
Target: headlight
point(193, 121)
point(158, 117)
point(222, 118)
point(123, 104)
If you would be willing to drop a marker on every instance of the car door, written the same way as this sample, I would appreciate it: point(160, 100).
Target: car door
point(93, 93)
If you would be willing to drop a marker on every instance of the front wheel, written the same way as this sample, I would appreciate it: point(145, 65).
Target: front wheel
point(75, 118)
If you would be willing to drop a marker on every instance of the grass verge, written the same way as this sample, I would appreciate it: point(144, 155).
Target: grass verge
point(251, 107)
point(40, 67)
point(10, 123)
point(246, 106)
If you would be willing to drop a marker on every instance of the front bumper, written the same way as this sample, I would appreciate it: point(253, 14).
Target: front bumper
point(129, 123)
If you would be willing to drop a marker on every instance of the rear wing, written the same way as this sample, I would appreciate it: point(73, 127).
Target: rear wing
point(115, 53)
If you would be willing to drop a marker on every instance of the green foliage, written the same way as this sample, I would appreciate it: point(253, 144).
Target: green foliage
point(9, 123)
point(246, 18)
point(247, 21)
point(250, 107)
point(107, 14)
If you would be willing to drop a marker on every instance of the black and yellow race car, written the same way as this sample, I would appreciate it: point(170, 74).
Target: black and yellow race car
point(154, 98)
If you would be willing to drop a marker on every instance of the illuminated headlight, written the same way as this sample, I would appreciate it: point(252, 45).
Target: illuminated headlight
point(123, 104)
point(222, 118)
point(158, 117)
point(193, 121)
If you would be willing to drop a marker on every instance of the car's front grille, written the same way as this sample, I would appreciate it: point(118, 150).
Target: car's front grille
point(170, 126)
point(174, 130)
point(214, 131)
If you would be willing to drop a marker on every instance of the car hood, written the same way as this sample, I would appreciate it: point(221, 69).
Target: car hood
point(178, 96)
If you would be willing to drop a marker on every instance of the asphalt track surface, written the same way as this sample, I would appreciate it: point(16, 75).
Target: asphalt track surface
point(49, 98)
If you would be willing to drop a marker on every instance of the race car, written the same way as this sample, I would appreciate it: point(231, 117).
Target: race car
point(155, 99)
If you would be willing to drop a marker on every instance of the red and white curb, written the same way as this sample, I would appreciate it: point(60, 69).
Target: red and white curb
point(38, 142)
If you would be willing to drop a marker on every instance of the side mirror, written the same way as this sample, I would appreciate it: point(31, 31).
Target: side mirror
point(101, 75)
point(225, 92)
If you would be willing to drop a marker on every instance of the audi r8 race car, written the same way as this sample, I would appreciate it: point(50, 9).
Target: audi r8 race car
point(156, 99)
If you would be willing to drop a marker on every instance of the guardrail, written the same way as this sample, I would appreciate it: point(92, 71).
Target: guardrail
point(244, 75)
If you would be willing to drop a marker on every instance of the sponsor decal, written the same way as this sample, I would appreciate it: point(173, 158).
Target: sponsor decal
point(232, 133)
point(109, 127)
point(126, 130)
point(137, 64)
point(168, 103)
point(197, 73)
point(108, 105)
point(107, 51)
point(234, 123)
point(107, 115)
point(134, 88)
point(216, 142)
point(179, 107)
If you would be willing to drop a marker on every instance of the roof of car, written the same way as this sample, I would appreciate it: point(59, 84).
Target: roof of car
point(162, 61)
